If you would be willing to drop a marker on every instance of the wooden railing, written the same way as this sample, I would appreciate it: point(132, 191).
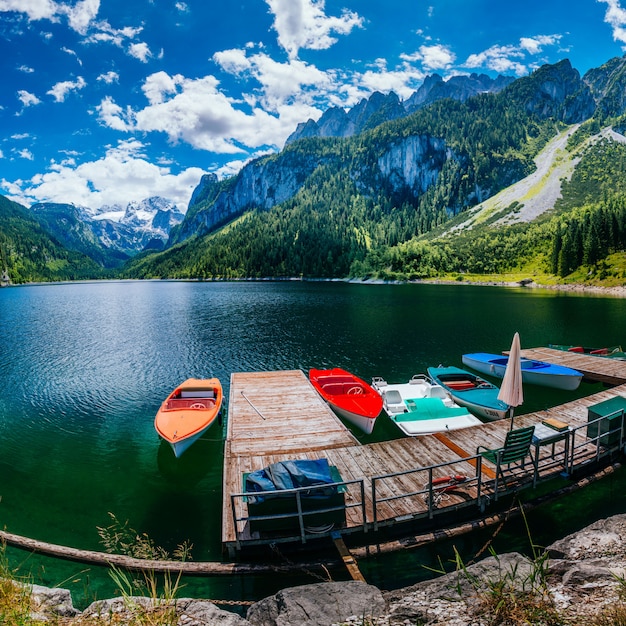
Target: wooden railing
point(479, 488)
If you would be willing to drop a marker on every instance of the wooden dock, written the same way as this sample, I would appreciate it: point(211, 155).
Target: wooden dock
point(278, 416)
point(274, 416)
point(594, 368)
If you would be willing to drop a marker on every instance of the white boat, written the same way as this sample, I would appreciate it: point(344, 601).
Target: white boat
point(533, 372)
point(421, 407)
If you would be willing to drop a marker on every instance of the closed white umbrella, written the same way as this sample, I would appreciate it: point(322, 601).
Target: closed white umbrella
point(511, 390)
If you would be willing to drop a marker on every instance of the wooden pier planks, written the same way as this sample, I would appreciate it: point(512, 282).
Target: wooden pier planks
point(601, 369)
point(274, 416)
point(280, 412)
point(263, 428)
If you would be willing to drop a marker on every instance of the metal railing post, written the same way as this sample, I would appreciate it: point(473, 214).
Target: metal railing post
point(374, 504)
point(300, 517)
point(234, 512)
point(430, 493)
point(363, 510)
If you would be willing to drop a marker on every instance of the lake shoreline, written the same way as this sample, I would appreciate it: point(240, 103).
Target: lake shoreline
point(617, 291)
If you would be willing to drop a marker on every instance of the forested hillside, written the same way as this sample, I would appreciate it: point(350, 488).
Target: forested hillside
point(583, 237)
point(391, 202)
point(29, 254)
point(346, 212)
point(351, 217)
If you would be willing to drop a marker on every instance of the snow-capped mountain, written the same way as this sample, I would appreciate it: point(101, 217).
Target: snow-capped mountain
point(111, 232)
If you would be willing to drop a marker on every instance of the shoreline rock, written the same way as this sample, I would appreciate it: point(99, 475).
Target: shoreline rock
point(581, 575)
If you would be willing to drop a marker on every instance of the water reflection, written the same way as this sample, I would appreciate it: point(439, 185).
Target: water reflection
point(87, 365)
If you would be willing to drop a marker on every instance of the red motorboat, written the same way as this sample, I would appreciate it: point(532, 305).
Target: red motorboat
point(349, 396)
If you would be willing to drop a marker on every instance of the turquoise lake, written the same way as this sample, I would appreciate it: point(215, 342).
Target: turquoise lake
point(85, 367)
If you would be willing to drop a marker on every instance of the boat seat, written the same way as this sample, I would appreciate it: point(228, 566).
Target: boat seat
point(438, 392)
point(460, 385)
point(188, 403)
point(335, 389)
point(197, 393)
point(393, 397)
point(393, 402)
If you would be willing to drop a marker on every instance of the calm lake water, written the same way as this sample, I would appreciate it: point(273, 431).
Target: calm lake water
point(85, 367)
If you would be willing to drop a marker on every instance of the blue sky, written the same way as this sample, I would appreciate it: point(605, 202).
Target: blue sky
point(108, 101)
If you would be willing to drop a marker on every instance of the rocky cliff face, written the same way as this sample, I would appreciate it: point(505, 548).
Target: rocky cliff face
point(410, 164)
point(407, 163)
point(260, 185)
point(414, 163)
point(607, 85)
point(555, 91)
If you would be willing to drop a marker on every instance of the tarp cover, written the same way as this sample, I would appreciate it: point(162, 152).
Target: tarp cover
point(290, 475)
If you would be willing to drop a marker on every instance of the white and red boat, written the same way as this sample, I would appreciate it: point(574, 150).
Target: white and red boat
point(349, 396)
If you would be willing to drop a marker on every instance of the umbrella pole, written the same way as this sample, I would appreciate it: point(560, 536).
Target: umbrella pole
point(511, 410)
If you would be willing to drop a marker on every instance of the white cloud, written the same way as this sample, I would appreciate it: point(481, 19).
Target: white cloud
point(34, 9)
point(82, 18)
point(26, 69)
point(183, 7)
point(27, 99)
point(196, 112)
point(113, 116)
point(82, 14)
point(140, 51)
point(123, 174)
point(507, 59)
point(109, 78)
point(103, 32)
point(402, 80)
point(234, 61)
point(25, 153)
point(280, 82)
point(534, 45)
point(304, 24)
point(499, 59)
point(435, 57)
point(615, 16)
point(60, 90)
point(72, 53)
point(159, 85)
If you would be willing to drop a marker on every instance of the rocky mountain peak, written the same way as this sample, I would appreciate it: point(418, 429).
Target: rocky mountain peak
point(555, 91)
point(457, 87)
point(379, 107)
point(111, 234)
point(143, 214)
point(607, 84)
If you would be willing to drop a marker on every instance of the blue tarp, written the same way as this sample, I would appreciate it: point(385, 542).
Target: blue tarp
point(291, 475)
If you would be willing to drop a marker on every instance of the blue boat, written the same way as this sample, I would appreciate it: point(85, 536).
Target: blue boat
point(533, 372)
point(471, 391)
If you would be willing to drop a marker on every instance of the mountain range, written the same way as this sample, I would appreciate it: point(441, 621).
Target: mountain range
point(354, 184)
point(112, 234)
